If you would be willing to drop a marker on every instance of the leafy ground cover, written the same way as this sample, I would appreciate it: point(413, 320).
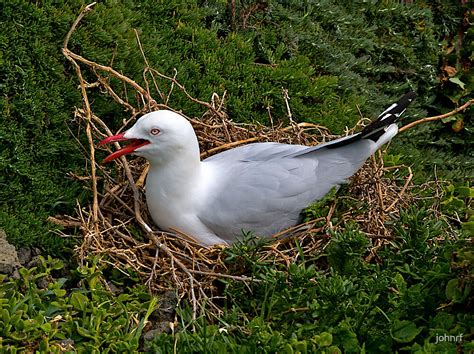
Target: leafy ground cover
point(43, 311)
point(332, 59)
point(336, 302)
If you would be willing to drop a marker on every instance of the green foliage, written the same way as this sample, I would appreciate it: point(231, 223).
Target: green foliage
point(320, 207)
point(345, 251)
point(449, 142)
point(38, 312)
point(458, 203)
point(36, 98)
point(419, 292)
point(331, 57)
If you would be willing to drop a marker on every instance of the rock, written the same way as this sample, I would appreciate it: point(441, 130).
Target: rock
point(67, 345)
point(34, 262)
point(160, 327)
point(163, 317)
point(9, 261)
point(16, 275)
point(114, 288)
point(163, 327)
point(43, 283)
point(24, 255)
point(167, 303)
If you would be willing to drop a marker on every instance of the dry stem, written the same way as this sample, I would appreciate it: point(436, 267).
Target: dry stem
point(166, 261)
point(434, 118)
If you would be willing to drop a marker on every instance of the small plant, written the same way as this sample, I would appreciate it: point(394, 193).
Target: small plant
point(45, 314)
point(457, 203)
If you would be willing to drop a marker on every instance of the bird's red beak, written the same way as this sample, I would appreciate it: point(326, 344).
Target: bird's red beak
point(129, 148)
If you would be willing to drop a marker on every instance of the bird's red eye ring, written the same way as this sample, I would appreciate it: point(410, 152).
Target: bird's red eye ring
point(155, 131)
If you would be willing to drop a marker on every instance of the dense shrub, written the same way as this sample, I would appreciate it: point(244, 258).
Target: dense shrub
point(332, 58)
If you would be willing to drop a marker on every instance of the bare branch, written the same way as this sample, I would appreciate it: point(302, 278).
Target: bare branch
point(434, 118)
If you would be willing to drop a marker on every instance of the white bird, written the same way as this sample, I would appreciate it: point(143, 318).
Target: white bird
point(260, 187)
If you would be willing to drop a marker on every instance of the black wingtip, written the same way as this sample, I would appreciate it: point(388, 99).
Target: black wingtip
point(411, 95)
point(393, 112)
point(408, 98)
point(377, 128)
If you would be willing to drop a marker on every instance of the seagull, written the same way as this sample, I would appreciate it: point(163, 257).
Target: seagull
point(259, 187)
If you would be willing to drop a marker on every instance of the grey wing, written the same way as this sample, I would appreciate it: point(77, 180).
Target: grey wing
point(257, 152)
point(267, 194)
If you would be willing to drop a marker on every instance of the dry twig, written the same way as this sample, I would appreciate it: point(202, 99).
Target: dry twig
point(434, 118)
point(173, 261)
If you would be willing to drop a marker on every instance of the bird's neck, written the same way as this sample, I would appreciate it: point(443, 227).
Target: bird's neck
point(174, 176)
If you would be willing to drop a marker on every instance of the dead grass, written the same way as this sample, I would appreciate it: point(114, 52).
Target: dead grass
point(116, 226)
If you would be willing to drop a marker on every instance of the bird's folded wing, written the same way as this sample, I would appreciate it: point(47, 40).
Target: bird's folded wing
point(264, 187)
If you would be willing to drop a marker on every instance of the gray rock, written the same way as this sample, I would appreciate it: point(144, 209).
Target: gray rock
point(35, 262)
point(9, 261)
point(24, 255)
point(116, 290)
point(67, 345)
point(43, 283)
point(160, 327)
point(162, 318)
point(167, 303)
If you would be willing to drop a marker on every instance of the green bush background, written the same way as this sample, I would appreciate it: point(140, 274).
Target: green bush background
point(332, 58)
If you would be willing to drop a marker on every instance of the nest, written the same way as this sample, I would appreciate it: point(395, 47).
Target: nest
point(116, 227)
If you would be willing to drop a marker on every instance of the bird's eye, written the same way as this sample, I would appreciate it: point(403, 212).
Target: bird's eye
point(155, 131)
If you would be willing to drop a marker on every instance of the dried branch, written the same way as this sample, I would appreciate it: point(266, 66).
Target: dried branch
point(172, 260)
point(183, 89)
point(434, 118)
point(109, 70)
point(83, 12)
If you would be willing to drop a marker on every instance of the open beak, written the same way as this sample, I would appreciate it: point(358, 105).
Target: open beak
point(128, 149)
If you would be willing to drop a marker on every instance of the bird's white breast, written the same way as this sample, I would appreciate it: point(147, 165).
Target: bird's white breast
point(174, 197)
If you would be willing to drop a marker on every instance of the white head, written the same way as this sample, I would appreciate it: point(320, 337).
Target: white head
point(158, 136)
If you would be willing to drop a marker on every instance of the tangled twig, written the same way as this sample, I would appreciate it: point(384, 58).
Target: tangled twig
point(111, 224)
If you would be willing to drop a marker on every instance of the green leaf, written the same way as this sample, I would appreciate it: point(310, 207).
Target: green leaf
point(46, 327)
point(53, 308)
point(79, 301)
point(443, 320)
point(59, 292)
point(20, 326)
point(404, 331)
point(465, 192)
point(449, 119)
point(400, 283)
point(452, 289)
point(391, 160)
point(455, 80)
point(468, 227)
point(325, 339)
point(346, 336)
point(5, 316)
point(457, 292)
point(84, 332)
